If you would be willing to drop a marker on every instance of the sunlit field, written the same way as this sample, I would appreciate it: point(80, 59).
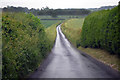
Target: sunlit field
point(47, 21)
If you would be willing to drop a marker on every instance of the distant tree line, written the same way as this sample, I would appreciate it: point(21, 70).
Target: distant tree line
point(47, 11)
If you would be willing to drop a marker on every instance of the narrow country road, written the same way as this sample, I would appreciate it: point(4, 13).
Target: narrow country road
point(65, 61)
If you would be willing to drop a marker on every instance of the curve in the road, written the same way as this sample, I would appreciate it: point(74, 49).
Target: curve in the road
point(65, 61)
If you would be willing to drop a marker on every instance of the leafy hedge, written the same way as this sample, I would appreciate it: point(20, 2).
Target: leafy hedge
point(102, 30)
point(24, 44)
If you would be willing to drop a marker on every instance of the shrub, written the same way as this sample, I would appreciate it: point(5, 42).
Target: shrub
point(24, 44)
point(101, 30)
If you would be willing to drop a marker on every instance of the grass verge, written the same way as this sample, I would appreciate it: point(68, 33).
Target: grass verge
point(72, 29)
point(103, 56)
point(51, 33)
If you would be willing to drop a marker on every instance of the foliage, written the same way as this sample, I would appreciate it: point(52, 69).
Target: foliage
point(101, 30)
point(24, 44)
point(0, 45)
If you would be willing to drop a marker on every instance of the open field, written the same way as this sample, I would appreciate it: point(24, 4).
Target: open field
point(47, 21)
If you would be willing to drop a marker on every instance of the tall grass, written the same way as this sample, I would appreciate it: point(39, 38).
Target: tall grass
point(72, 29)
point(51, 33)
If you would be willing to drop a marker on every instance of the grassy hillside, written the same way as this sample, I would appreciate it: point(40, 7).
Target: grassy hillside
point(25, 44)
point(72, 29)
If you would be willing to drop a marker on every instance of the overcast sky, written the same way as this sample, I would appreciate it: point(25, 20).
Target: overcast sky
point(58, 3)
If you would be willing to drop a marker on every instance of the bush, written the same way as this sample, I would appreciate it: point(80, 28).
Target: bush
point(101, 30)
point(24, 44)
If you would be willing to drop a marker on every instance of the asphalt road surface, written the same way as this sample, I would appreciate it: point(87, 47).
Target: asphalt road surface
point(65, 61)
